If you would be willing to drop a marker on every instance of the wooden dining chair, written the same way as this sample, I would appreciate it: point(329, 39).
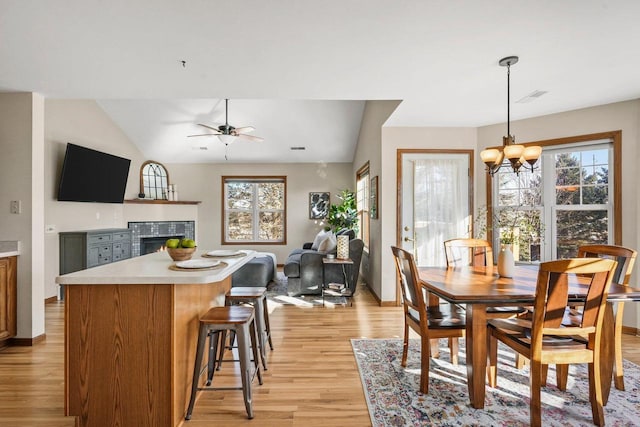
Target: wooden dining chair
point(544, 340)
point(626, 259)
point(430, 322)
point(477, 253)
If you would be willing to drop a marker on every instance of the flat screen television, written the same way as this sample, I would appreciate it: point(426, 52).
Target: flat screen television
point(92, 176)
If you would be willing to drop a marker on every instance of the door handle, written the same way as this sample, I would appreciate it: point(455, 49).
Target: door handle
point(408, 239)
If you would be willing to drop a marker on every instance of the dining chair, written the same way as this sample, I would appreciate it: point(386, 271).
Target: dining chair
point(430, 322)
point(626, 259)
point(477, 253)
point(544, 340)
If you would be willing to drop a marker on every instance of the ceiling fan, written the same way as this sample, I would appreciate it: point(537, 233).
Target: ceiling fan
point(227, 133)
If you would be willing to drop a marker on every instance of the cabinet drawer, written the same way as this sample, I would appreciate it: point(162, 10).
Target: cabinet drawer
point(121, 236)
point(98, 238)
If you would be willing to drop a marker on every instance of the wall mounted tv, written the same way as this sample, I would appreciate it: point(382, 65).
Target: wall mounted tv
point(92, 176)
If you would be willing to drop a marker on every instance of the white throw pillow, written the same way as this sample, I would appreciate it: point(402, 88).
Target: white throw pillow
point(319, 238)
point(328, 244)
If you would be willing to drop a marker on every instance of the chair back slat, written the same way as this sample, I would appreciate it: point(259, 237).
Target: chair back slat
point(412, 295)
point(552, 293)
point(626, 259)
point(463, 252)
point(556, 300)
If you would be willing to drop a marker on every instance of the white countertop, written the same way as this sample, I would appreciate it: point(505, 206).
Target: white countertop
point(9, 248)
point(152, 269)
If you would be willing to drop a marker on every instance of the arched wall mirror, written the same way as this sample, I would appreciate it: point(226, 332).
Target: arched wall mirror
point(154, 181)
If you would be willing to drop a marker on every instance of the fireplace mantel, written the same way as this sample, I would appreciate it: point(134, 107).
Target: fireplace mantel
point(162, 202)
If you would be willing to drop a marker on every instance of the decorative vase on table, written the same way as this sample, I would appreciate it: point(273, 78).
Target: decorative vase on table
point(343, 247)
point(506, 262)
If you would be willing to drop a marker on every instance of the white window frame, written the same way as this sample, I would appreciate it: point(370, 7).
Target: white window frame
point(613, 140)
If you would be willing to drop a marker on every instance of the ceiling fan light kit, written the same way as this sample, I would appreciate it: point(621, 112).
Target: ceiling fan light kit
point(517, 154)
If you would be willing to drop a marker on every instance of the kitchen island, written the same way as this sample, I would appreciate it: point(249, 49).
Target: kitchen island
point(130, 337)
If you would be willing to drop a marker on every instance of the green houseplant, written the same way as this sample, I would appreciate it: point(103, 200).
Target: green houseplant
point(345, 214)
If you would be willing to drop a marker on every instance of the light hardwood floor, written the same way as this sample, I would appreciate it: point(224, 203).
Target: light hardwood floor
point(312, 378)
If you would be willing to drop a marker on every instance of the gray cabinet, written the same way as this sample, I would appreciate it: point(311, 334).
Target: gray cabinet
point(85, 249)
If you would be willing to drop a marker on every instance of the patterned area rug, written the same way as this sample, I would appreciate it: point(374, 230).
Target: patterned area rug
point(394, 400)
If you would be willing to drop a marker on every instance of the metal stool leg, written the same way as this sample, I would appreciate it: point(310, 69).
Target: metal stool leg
point(261, 330)
point(266, 322)
point(244, 333)
point(202, 338)
point(214, 337)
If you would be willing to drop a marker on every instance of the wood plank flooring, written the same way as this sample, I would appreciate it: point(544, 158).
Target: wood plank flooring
point(312, 378)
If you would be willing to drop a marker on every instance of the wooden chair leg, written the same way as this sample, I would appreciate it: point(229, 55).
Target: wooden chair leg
point(492, 360)
point(562, 373)
point(544, 372)
point(521, 361)
point(424, 365)
point(595, 392)
point(453, 349)
point(405, 345)
point(435, 348)
point(535, 381)
point(618, 373)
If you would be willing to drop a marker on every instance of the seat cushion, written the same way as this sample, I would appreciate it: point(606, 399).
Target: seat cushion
point(256, 272)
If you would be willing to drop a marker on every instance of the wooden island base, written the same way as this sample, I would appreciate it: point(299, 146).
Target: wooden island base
point(130, 350)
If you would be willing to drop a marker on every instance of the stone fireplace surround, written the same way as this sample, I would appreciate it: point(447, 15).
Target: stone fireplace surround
point(167, 229)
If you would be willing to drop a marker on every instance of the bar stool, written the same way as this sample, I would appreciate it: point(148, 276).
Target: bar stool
point(257, 297)
point(241, 321)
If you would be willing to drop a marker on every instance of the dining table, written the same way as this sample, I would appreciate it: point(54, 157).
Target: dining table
point(480, 287)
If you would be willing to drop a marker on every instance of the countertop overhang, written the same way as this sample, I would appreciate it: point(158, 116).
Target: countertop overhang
point(9, 248)
point(153, 269)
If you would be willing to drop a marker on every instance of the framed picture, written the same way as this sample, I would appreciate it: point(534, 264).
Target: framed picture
point(373, 203)
point(319, 205)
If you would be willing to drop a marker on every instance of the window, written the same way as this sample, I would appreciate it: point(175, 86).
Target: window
point(363, 195)
point(254, 210)
point(567, 202)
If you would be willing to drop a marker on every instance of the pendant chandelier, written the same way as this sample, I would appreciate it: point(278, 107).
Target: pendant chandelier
point(517, 154)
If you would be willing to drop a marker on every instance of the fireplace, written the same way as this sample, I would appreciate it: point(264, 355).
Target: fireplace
point(149, 245)
point(149, 236)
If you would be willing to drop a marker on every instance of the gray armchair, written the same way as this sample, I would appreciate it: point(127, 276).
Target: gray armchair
point(305, 271)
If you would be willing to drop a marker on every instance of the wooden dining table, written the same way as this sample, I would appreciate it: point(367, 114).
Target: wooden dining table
point(482, 287)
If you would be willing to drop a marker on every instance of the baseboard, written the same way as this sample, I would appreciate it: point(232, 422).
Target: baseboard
point(630, 331)
point(51, 299)
point(27, 342)
point(380, 302)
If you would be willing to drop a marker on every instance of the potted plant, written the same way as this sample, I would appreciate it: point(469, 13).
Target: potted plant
point(345, 214)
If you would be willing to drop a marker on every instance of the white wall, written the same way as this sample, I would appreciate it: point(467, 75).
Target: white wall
point(623, 116)
point(21, 145)
point(369, 149)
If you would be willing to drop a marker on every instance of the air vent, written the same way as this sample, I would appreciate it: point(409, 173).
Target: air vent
point(298, 148)
point(532, 96)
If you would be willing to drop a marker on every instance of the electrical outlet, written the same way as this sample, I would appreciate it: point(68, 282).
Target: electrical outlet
point(16, 207)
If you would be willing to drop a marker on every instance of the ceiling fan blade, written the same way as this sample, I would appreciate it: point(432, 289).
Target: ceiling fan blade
point(250, 137)
point(244, 129)
point(203, 134)
point(209, 127)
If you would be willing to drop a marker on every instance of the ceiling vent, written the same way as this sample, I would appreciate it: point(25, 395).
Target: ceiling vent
point(298, 148)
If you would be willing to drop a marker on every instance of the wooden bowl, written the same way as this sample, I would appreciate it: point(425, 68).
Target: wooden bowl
point(180, 254)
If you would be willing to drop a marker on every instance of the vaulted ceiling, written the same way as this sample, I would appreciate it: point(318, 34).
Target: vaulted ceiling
point(300, 71)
